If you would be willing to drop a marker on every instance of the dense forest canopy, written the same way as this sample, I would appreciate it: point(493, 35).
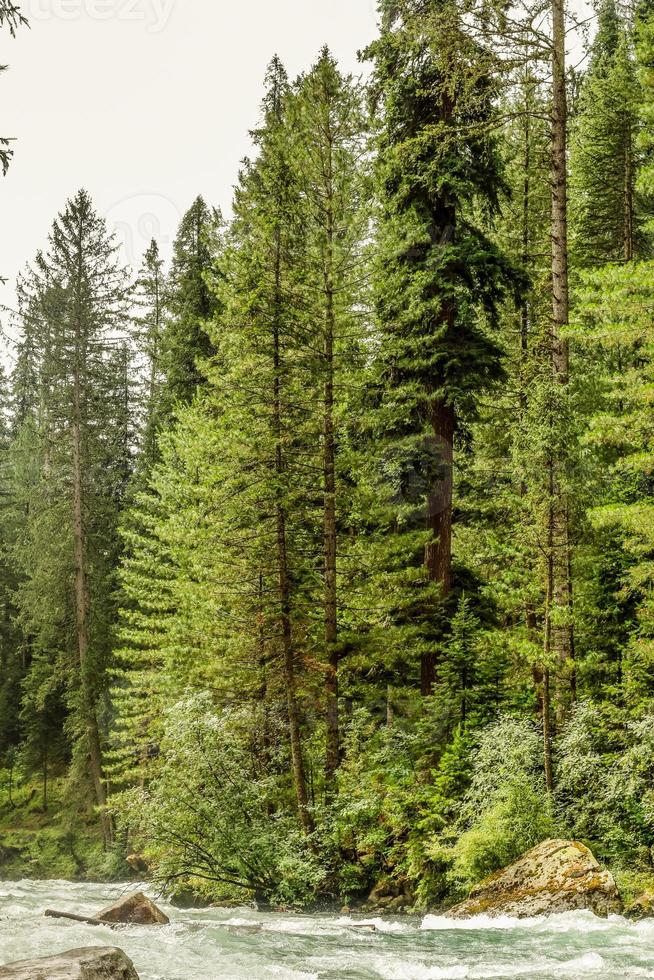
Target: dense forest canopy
point(327, 549)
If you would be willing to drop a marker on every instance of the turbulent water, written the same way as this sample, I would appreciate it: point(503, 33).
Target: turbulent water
point(205, 945)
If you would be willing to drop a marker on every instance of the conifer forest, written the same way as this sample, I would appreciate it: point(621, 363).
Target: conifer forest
point(327, 540)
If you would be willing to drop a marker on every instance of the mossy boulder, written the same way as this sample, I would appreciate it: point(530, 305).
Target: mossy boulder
point(555, 876)
point(93, 963)
point(642, 907)
point(390, 894)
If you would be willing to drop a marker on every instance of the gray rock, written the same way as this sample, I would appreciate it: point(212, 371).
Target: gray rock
point(555, 876)
point(93, 963)
point(134, 908)
point(246, 929)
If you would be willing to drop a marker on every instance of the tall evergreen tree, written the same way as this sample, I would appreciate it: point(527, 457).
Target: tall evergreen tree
point(190, 306)
point(150, 323)
point(267, 233)
point(644, 38)
point(559, 626)
point(607, 213)
point(439, 275)
point(327, 120)
point(81, 292)
point(11, 665)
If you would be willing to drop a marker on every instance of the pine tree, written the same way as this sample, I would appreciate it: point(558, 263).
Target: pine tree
point(326, 117)
point(612, 319)
point(227, 522)
point(150, 325)
point(11, 666)
point(644, 38)
point(439, 274)
point(264, 279)
point(607, 214)
point(190, 305)
point(11, 18)
point(559, 626)
point(81, 292)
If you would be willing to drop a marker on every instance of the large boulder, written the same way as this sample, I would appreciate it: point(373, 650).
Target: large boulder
point(94, 963)
point(134, 908)
point(390, 895)
point(642, 907)
point(556, 876)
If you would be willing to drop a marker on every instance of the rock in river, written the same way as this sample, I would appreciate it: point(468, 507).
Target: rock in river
point(556, 876)
point(94, 963)
point(135, 908)
point(642, 907)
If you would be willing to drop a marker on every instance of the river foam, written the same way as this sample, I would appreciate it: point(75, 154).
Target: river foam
point(211, 944)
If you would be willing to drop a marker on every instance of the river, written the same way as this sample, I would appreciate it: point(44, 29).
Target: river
point(204, 945)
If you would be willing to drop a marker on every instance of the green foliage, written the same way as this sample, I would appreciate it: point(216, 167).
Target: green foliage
point(56, 843)
point(11, 18)
point(278, 525)
point(608, 215)
point(614, 323)
point(190, 305)
point(507, 809)
point(606, 784)
point(209, 813)
point(438, 271)
point(376, 794)
point(644, 37)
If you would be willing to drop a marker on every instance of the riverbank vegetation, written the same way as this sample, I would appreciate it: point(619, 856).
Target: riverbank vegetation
point(327, 549)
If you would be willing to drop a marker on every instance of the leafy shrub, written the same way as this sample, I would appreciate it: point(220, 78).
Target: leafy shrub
point(394, 801)
point(210, 811)
point(605, 784)
point(507, 809)
point(368, 823)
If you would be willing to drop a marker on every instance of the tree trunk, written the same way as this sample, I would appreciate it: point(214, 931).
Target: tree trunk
point(44, 787)
point(628, 222)
point(332, 758)
point(547, 732)
point(82, 603)
point(562, 631)
point(438, 554)
point(82, 596)
point(299, 775)
point(540, 674)
point(545, 693)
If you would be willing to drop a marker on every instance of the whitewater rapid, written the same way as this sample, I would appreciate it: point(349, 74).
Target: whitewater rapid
point(204, 945)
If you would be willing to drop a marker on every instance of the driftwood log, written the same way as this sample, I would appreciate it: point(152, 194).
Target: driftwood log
point(52, 914)
point(135, 908)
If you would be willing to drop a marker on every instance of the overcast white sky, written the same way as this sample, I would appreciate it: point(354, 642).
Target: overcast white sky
point(146, 103)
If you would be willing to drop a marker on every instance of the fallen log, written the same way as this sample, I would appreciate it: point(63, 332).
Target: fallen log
point(52, 914)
